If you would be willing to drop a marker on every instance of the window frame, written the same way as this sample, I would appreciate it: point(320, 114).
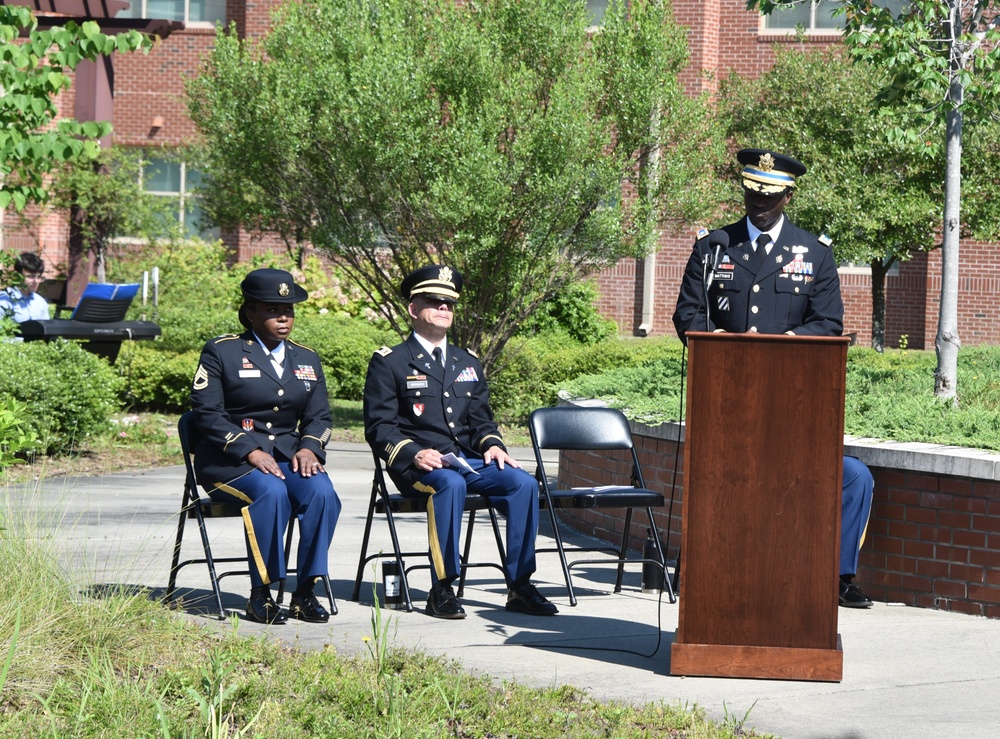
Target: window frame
point(765, 30)
point(182, 196)
point(143, 6)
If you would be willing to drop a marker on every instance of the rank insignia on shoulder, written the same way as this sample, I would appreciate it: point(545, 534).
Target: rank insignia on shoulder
point(702, 233)
point(472, 353)
point(384, 351)
point(200, 378)
point(825, 240)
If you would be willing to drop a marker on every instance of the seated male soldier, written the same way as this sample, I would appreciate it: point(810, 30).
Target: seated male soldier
point(425, 399)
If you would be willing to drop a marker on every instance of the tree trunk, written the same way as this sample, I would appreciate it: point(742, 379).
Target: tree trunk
point(879, 270)
point(947, 342)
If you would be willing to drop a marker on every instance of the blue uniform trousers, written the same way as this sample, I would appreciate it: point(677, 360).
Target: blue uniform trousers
point(511, 491)
point(272, 502)
point(855, 508)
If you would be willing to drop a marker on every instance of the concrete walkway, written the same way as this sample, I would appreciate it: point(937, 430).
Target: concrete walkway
point(907, 672)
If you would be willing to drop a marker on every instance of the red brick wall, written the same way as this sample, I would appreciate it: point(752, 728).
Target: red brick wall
point(933, 540)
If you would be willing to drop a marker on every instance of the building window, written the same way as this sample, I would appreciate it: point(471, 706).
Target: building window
point(817, 15)
point(191, 12)
point(179, 183)
point(596, 9)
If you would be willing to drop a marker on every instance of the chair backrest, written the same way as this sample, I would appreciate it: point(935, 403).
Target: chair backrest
point(569, 427)
point(187, 432)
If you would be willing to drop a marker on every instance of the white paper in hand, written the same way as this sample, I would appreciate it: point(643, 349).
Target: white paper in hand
point(453, 460)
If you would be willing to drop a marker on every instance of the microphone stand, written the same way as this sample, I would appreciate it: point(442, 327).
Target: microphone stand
point(707, 275)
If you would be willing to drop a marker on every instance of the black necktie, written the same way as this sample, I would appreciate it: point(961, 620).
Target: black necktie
point(761, 247)
point(437, 356)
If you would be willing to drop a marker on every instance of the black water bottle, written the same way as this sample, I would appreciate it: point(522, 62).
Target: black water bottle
point(392, 591)
point(652, 573)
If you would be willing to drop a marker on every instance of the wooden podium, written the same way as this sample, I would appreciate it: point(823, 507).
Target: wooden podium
point(761, 520)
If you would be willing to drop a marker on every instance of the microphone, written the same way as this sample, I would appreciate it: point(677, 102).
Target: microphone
point(720, 240)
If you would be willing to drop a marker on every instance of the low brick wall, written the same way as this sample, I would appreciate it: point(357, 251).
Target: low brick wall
point(933, 540)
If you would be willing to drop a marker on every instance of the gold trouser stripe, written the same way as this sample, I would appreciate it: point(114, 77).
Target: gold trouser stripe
point(258, 558)
point(437, 558)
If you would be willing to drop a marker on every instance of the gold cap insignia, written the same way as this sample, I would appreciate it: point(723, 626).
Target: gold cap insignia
point(283, 290)
point(445, 274)
point(766, 162)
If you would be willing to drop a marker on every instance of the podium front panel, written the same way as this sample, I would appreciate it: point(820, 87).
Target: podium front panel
point(762, 468)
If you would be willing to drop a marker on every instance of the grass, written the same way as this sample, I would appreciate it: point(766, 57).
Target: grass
point(122, 665)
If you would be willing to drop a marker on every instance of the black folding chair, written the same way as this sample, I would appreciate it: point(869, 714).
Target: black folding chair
point(384, 503)
point(593, 429)
point(193, 505)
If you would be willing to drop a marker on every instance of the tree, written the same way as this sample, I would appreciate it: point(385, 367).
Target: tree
point(494, 136)
point(868, 193)
point(32, 74)
point(939, 58)
point(110, 202)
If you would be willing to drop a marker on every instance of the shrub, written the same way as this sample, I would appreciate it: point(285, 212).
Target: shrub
point(344, 345)
point(574, 313)
point(70, 393)
point(199, 292)
point(531, 374)
point(15, 439)
point(155, 378)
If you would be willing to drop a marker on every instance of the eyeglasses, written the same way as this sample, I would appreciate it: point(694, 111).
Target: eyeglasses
point(437, 304)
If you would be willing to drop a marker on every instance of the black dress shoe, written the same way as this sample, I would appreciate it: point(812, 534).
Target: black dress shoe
point(526, 599)
point(264, 610)
point(442, 603)
point(851, 596)
point(308, 608)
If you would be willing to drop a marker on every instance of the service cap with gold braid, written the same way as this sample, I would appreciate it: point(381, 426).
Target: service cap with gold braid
point(434, 281)
point(769, 172)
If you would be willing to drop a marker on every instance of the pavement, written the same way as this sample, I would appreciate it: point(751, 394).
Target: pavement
point(908, 672)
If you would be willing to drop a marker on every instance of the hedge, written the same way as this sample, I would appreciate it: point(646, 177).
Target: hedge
point(70, 393)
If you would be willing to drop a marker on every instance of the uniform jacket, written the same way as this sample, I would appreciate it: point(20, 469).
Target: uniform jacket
point(240, 405)
point(796, 288)
point(412, 403)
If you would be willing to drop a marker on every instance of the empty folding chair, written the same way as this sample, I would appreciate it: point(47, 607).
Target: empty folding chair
point(600, 430)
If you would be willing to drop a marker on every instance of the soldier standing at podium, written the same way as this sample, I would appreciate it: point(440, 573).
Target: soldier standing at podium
point(766, 275)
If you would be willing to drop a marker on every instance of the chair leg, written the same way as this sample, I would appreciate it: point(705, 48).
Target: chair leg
point(667, 579)
point(501, 549)
point(363, 559)
point(623, 550)
point(329, 593)
point(562, 553)
point(404, 581)
point(210, 561)
point(467, 551)
point(172, 582)
point(288, 552)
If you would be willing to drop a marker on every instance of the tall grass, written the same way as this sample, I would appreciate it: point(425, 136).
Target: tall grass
point(122, 665)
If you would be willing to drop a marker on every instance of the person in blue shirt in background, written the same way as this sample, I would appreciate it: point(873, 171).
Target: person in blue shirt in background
point(23, 303)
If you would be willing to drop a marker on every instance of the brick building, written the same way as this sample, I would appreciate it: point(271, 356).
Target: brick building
point(149, 112)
